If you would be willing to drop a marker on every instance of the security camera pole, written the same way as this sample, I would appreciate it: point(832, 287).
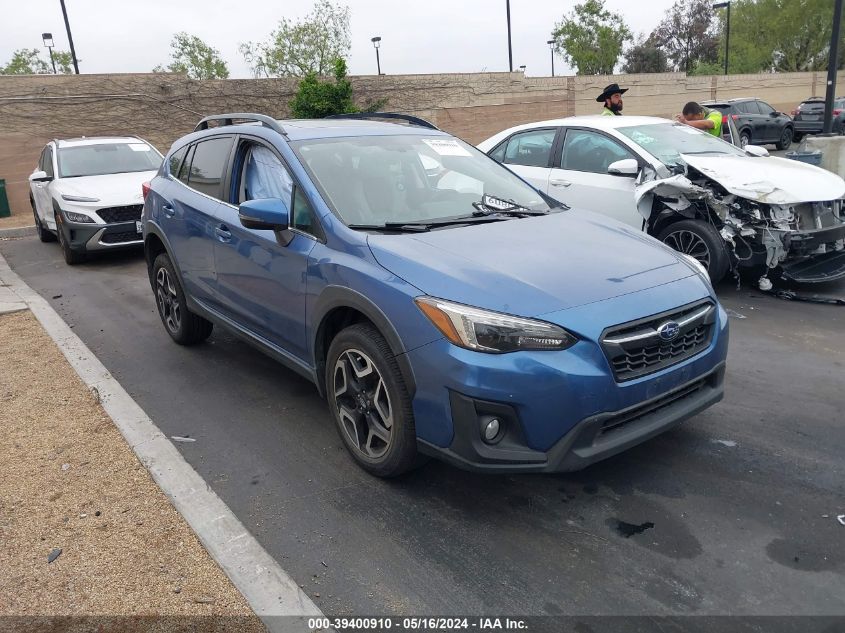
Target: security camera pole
point(70, 38)
point(832, 60)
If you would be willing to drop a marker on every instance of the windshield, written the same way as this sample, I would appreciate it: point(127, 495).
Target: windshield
point(107, 158)
point(374, 180)
point(667, 141)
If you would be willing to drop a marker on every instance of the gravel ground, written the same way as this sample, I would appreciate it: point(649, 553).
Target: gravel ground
point(17, 220)
point(69, 482)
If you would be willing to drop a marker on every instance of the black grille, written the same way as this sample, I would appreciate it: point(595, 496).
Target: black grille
point(121, 214)
point(118, 238)
point(617, 422)
point(636, 349)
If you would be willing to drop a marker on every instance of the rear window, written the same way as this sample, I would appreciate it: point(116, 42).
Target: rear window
point(107, 158)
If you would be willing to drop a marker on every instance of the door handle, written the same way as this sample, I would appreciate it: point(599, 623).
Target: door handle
point(559, 183)
point(223, 233)
point(168, 210)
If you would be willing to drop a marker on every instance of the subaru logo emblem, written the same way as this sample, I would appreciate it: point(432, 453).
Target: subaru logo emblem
point(669, 331)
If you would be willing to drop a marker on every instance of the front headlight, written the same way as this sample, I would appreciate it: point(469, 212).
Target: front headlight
point(492, 332)
point(78, 217)
point(70, 198)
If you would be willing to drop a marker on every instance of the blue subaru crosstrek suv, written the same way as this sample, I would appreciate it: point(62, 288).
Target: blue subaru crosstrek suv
point(441, 305)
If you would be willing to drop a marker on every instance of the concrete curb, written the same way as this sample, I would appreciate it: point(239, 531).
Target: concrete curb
point(21, 231)
point(268, 589)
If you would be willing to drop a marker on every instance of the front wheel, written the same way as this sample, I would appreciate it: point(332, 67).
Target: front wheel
point(183, 326)
point(700, 240)
point(72, 257)
point(785, 139)
point(44, 234)
point(370, 403)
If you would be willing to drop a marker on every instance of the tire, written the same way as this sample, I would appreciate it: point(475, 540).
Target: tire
point(72, 257)
point(785, 139)
point(797, 137)
point(370, 403)
point(183, 326)
point(744, 138)
point(701, 240)
point(44, 234)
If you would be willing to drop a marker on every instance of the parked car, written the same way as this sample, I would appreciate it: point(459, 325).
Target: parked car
point(758, 122)
point(725, 206)
point(808, 117)
point(87, 193)
point(442, 305)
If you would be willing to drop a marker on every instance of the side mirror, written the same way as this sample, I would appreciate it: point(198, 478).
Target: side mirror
point(265, 214)
point(39, 176)
point(774, 115)
point(626, 167)
point(756, 150)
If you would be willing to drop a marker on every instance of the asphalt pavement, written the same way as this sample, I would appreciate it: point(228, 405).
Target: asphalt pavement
point(733, 512)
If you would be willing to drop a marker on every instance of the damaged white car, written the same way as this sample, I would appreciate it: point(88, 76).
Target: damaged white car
point(725, 206)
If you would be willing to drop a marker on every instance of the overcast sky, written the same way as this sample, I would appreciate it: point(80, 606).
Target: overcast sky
point(434, 36)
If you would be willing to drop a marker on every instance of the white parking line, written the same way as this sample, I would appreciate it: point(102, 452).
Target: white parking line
point(268, 589)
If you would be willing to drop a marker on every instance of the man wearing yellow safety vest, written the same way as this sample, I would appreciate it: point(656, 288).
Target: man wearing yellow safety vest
point(612, 99)
point(704, 119)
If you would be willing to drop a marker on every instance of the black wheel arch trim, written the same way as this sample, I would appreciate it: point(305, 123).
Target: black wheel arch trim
point(150, 228)
point(334, 297)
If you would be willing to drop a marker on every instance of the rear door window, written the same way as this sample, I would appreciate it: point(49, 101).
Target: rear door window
point(185, 169)
point(175, 160)
point(532, 148)
point(748, 107)
point(208, 166)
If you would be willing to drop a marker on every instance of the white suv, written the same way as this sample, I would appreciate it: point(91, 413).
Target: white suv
point(87, 192)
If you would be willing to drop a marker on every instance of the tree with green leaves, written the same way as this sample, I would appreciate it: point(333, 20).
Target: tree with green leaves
point(591, 38)
point(779, 35)
point(689, 34)
point(645, 56)
point(298, 48)
point(317, 98)
point(28, 61)
point(191, 56)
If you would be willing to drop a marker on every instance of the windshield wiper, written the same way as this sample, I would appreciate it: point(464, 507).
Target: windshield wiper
point(399, 227)
point(489, 205)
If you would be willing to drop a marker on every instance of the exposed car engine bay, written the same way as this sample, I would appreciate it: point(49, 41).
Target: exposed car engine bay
point(805, 241)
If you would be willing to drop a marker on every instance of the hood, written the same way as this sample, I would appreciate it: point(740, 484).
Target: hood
point(770, 180)
point(531, 266)
point(111, 189)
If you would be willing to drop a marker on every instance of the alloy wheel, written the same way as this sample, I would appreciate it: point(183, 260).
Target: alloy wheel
point(363, 404)
point(168, 301)
point(690, 244)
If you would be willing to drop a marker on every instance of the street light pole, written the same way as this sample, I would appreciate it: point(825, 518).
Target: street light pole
point(47, 38)
point(551, 44)
point(376, 43)
point(723, 5)
point(510, 50)
point(832, 63)
point(70, 38)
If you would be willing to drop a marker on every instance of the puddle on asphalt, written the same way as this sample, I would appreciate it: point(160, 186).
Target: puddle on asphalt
point(623, 528)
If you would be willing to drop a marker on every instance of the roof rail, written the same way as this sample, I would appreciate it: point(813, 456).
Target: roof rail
point(413, 120)
point(229, 118)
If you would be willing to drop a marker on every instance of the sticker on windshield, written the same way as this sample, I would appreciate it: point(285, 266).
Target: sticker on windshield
point(139, 147)
point(446, 147)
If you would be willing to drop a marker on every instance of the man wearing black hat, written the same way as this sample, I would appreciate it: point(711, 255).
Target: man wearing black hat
point(612, 98)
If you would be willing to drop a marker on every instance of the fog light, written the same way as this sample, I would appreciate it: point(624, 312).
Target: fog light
point(491, 430)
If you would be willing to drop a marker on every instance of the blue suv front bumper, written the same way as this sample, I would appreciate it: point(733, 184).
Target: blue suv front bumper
point(560, 411)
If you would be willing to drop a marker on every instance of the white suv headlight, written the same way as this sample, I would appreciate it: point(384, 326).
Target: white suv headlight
point(492, 332)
